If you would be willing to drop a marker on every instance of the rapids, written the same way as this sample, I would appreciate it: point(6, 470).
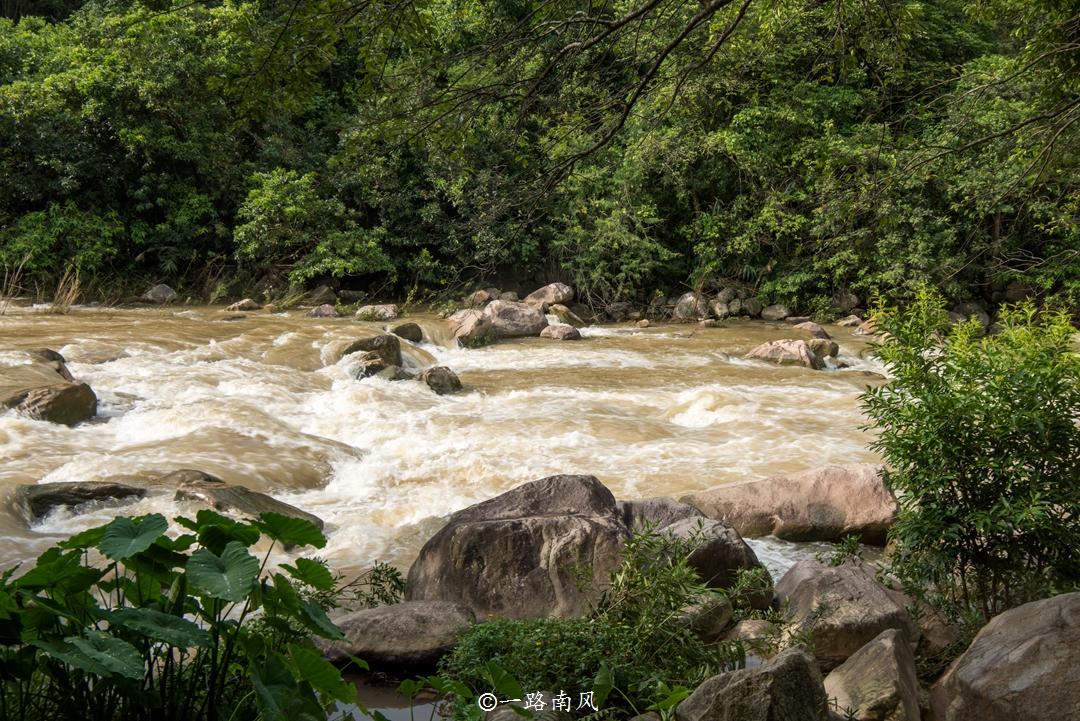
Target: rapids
point(266, 401)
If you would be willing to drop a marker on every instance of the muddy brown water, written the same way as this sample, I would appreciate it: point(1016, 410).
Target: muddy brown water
point(265, 400)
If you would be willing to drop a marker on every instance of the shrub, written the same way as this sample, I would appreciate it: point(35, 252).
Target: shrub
point(637, 648)
point(189, 628)
point(982, 447)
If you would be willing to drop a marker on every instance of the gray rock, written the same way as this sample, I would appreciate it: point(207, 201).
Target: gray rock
point(719, 309)
point(411, 332)
point(383, 311)
point(471, 327)
point(643, 323)
point(510, 320)
point(561, 331)
point(735, 307)
point(844, 301)
point(659, 512)
point(821, 504)
point(520, 554)
point(193, 485)
point(509, 295)
point(441, 379)
point(410, 636)
point(852, 321)
point(726, 295)
point(752, 307)
point(619, 311)
point(786, 688)
point(972, 310)
point(566, 316)
point(691, 306)
point(34, 502)
point(160, 294)
point(324, 311)
point(840, 608)
point(386, 346)
point(550, 294)
point(1022, 666)
point(720, 553)
point(877, 683)
point(775, 312)
point(823, 348)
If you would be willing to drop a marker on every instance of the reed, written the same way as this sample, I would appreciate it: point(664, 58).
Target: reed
point(11, 285)
point(68, 290)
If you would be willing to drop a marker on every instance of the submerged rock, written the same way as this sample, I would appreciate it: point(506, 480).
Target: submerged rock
point(786, 352)
point(1022, 666)
point(520, 554)
point(441, 379)
point(34, 502)
point(510, 320)
point(247, 304)
point(561, 332)
point(193, 485)
point(386, 347)
point(822, 504)
point(384, 311)
point(786, 688)
point(877, 683)
point(411, 636)
point(324, 311)
point(411, 332)
point(840, 608)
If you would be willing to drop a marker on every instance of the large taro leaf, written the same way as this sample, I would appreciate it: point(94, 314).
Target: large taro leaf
point(125, 537)
point(321, 674)
point(228, 576)
point(290, 531)
point(97, 653)
point(313, 573)
point(275, 688)
point(159, 626)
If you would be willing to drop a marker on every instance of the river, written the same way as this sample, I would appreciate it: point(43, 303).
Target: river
point(265, 401)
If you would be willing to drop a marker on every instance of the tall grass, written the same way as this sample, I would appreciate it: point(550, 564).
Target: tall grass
point(68, 290)
point(11, 284)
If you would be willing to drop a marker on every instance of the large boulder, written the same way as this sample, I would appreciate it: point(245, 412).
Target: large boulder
point(199, 487)
point(510, 320)
point(565, 315)
point(719, 553)
point(322, 295)
point(384, 311)
point(515, 555)
point(410, 636)
point(775, 312)
point(719, 309)
point(326, 310)
point(839, 608)
point(752, 307)
point(34, 502)
point(387, 347)
point(561, 331)
point(441, 379)
point(813, 329)
point(877, 683)
point(1022, 666)
point(549, 295)
point(65, 403)
point(822, 504)
point(786, 688)
point(656, 513)
point(852, 321)
point(691, 306)
point(470, 327)
point(786, 352)
point(160, 294)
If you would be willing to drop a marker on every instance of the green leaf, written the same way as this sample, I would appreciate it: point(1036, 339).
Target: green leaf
point(274, 687)
point(125, 537)
point(290, 530)
point(228, 576)
point(502, 682)
point(315, 618)
point(321, 674)
point(313, 573)
point(90, 538)
point(159, 626)
point(603, 684)
point(97, 653)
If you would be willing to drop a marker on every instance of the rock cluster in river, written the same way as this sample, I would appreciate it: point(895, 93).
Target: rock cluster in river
point(45, 390)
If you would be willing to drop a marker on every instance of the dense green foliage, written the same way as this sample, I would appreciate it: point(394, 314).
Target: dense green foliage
point(802, 147)
point(639, 645)
point(124, 622)
point(981, 435)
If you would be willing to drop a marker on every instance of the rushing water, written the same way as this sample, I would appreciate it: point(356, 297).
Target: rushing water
point(266, 401)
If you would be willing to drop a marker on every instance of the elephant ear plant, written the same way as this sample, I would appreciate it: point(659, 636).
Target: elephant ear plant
point(126, 622)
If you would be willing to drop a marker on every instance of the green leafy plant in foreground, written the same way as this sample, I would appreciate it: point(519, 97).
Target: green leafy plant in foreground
point(982, 444)
point(124, 622)
point(637, 650)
